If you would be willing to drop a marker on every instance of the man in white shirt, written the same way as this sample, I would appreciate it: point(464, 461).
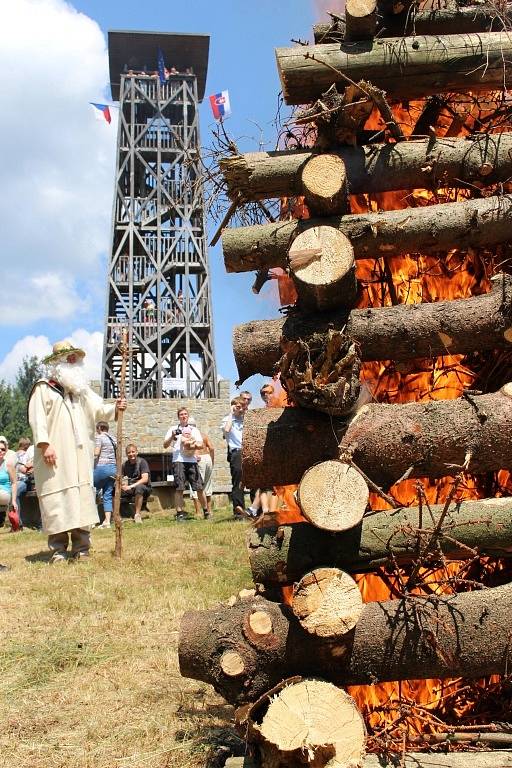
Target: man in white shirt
point(184, 440)
point(232, 429)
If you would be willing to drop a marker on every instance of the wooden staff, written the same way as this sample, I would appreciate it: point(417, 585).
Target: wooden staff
point(118, 551)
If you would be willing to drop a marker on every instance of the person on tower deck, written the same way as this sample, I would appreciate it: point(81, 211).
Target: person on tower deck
point(232, 430)
point(184, 441)
point(63, 412)
point(136, 483)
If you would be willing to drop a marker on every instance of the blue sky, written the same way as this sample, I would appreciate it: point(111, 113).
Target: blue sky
point(58, 169)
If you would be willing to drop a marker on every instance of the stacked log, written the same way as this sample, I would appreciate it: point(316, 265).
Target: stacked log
point(282, 663)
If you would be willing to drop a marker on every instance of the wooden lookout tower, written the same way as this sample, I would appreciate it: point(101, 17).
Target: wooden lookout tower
point(158, 278)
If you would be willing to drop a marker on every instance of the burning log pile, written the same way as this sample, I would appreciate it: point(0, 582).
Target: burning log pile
point(386, 572)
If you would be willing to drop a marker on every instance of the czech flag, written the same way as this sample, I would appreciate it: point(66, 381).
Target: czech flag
point(101, 112)
point(221, 107)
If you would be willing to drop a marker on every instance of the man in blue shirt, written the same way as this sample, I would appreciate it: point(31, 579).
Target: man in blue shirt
point(232, 429)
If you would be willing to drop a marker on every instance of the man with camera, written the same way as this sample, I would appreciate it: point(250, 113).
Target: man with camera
point(184, 440)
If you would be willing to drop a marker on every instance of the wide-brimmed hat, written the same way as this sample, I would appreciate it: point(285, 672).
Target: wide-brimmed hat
point(63, 349)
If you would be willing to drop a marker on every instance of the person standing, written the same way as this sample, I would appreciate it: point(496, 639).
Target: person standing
point(63, 411)
point(184, 440)
point(106, 468)
point(232, 430)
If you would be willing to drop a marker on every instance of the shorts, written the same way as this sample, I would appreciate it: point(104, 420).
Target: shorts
point(187, 473)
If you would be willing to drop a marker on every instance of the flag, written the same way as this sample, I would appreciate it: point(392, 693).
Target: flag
point(220, 105)
point(101, 112)
point(163, 72)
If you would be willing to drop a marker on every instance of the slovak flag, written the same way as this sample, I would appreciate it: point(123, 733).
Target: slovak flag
point(221, 107)
point(101, 112)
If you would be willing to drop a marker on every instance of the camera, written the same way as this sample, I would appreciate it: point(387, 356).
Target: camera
point(178, 431)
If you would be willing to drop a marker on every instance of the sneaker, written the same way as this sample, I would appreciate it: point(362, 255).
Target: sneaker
point(104, 525)
point(137, 518)
point(181, 517)
point(57, 557)
point(4, 567)
point(207, 515)
point(80, 556)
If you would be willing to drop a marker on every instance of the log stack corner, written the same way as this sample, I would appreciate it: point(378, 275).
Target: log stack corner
point(282, 664)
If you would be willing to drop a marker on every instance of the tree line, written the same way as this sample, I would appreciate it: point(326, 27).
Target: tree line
point(14, 398)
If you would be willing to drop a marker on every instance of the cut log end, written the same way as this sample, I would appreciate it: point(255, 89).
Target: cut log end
point(333, 496)
point(324, 184)
point(327, 602)
point(323, 268)
point(507, 334)
point(260, 623)
point(232, 664)
point(313, 718)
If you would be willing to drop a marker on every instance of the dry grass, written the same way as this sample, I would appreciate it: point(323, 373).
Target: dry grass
point(88, 660)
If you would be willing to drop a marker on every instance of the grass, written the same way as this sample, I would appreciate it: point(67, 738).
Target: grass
point(88, 658)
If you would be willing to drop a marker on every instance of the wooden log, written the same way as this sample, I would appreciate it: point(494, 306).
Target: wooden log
point(465, 635)
point(306, 717)
point(494, 759)
point(327, 602)
point(474, 223)
point(280, 556)
point(360, 19)
point(481, 160)
point(444, 21)
point(398, 333)
point(324, 183)
point(333, 496)
point(406, 68)
point(429, 439)
point(323, 269)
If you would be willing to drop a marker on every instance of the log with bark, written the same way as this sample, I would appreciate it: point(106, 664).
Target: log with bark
point(434, 228)
point(494, 759)
point(400, 333)
point(432, 439)
point(445, 21)
point(467, 635)
point(360, 19)
point(305, 722)
point(406, 68)
point(324, 185)
point(482, 160)
point(333, 496)
point(280, 556)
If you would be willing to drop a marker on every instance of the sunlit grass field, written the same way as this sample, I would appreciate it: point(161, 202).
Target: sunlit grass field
point(88, 654)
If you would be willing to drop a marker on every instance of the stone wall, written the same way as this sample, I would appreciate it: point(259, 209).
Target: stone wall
point(145, 423)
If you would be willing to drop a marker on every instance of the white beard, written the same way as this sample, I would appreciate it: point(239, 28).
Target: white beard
point(71, 376)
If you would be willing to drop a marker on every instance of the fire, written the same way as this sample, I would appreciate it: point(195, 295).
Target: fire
point(397, 714)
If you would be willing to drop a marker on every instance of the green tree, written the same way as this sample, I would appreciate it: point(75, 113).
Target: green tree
point(14, 399)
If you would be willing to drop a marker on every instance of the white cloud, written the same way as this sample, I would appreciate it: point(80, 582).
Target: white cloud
point(57, 160)
point(40, 346)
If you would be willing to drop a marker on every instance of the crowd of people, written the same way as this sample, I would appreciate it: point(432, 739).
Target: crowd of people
point(74, 456)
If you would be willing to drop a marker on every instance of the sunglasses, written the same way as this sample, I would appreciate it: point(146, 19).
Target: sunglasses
point(3, 450)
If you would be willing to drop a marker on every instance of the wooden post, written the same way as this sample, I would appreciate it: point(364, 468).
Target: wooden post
point(118, 550)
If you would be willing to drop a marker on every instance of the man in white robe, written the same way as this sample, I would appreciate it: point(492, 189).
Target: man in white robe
point(63, 412)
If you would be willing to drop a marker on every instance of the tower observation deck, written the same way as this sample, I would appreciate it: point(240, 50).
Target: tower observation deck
point(158, 277)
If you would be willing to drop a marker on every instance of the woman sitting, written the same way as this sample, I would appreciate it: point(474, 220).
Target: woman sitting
point(7, 484)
